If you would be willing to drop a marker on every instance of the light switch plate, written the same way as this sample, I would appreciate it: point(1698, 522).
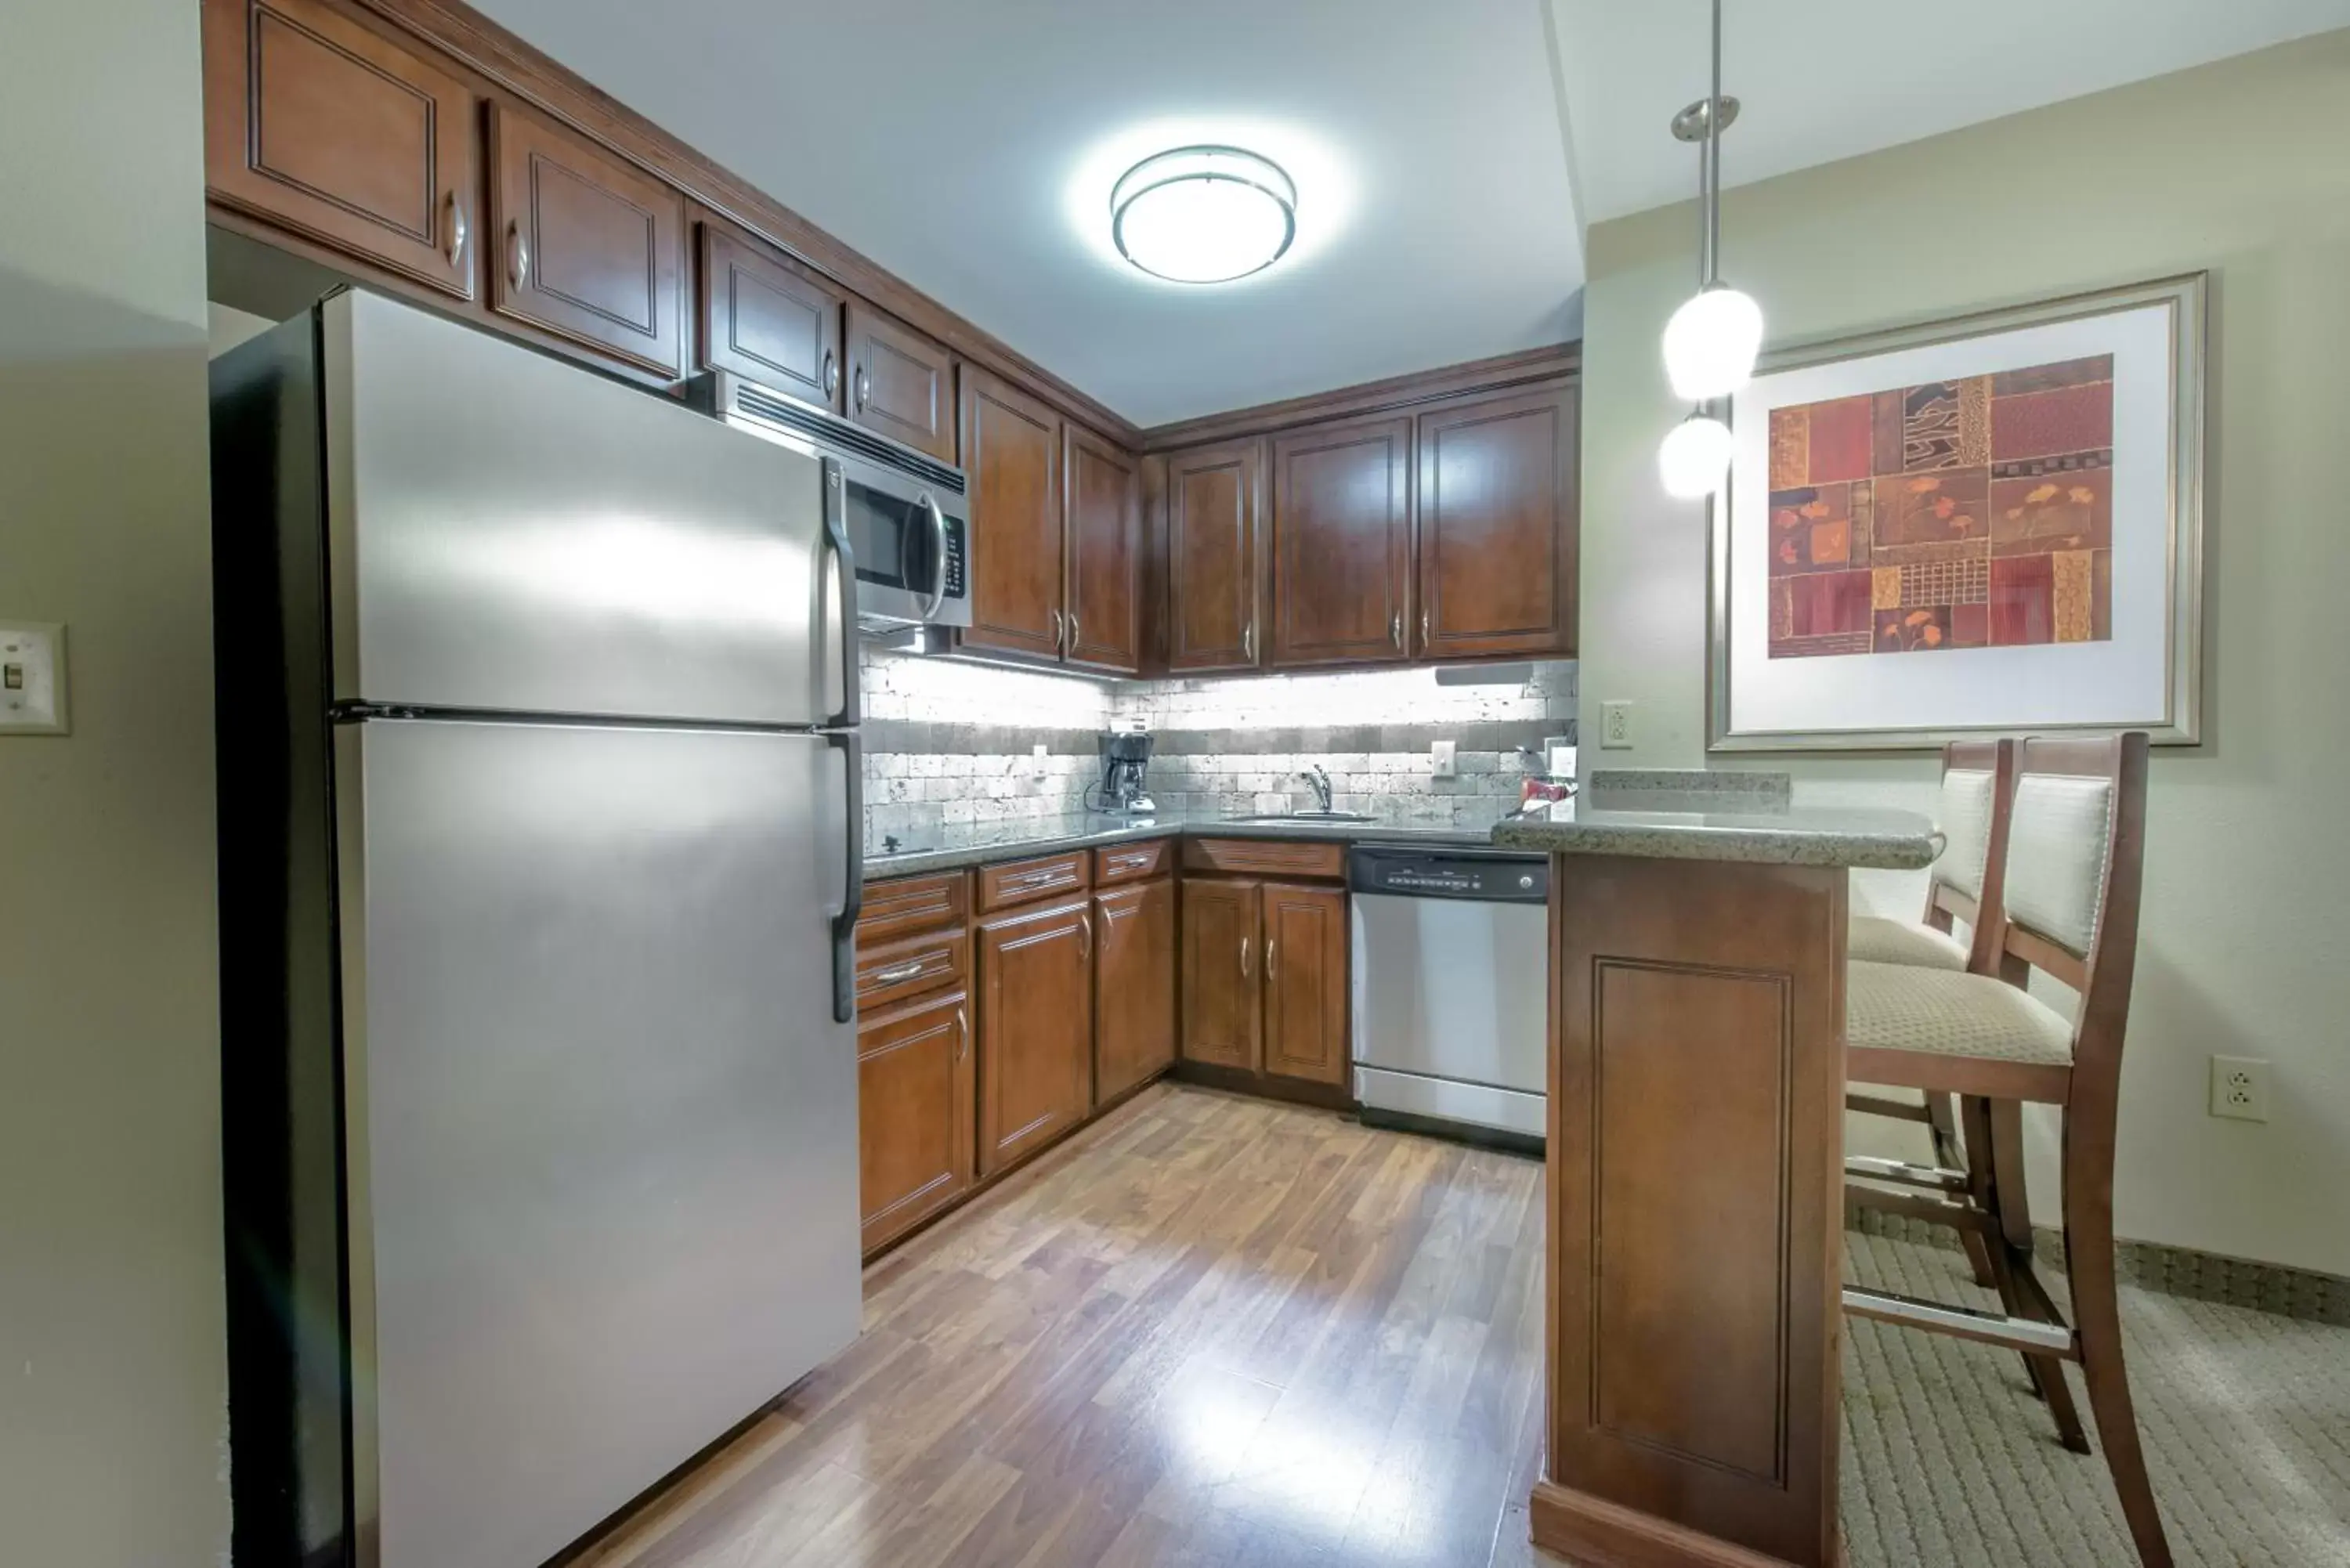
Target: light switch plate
point(1441, 762)
point(32, 678)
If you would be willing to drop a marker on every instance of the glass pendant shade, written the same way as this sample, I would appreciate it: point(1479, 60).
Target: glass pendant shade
point(1710, 343)
point(1695, 458)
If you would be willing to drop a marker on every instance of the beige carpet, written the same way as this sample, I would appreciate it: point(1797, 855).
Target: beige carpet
point(1950, 1460)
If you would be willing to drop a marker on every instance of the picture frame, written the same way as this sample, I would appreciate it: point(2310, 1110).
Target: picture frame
point(1908, 551)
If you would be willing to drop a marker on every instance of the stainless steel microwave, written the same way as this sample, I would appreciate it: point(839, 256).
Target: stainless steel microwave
point(908, 514)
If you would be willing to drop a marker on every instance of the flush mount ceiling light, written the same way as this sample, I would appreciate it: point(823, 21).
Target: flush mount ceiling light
point(1711, 341)
point(1203, 214)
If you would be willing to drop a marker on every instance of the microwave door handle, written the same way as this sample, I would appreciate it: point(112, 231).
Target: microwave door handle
point(938, 555)
point(844, 560)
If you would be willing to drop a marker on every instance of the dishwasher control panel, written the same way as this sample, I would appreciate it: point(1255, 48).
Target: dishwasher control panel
point(1487, 878)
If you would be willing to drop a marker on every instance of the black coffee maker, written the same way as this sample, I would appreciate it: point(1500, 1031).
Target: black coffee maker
point(1126, 756)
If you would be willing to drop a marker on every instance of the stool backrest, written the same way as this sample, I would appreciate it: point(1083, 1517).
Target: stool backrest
point(1968, 881)
point(2075, 863)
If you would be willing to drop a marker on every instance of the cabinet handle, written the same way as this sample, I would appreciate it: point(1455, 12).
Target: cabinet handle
point(864, 388)
point(1248, 642)
point(962, 1027)
point(517, 255)
point(1395, 629)
point(897, 973)
point(1060, 642)
point(1244, 967)
point(1072, 648)
point(831, 373)
point(1085, 936)
point(1424, 637)
point(1271, 948)
point(458, 231)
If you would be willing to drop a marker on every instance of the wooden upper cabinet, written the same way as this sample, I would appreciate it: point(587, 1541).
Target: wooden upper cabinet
point(1223, 1017)
point(1341, 543)
point(1213, 568)
point(1134, 986)
point(320, 123)
point(769, 321)
point(914, 1118)
point(1498, 524)
point(1306, 982)
point(586, 245)
point(1012, 456)
point(1104, 548)
point(1035, 1029)
point(901, 384)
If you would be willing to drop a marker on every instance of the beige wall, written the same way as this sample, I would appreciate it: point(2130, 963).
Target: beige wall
point(112, 1392)
point(2237, 167)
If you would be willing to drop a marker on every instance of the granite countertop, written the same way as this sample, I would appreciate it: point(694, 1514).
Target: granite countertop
point(949, 848)
point(1713, 824)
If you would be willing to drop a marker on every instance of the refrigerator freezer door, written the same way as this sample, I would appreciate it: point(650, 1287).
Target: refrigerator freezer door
point(601, 1164)
point(512, 534)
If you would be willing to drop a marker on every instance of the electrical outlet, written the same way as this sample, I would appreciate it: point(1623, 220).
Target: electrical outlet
point(1037, 766)
point(1442, 763)
point(1615, 724)
point(2239, 1088)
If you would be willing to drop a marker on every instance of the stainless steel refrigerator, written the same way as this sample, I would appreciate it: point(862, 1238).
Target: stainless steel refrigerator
point(540, 858)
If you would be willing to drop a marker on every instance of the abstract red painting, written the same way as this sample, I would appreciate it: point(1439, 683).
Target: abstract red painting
point(1964, 513)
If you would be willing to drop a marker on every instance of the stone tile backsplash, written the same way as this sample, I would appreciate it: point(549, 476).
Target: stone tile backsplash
point(950, 743)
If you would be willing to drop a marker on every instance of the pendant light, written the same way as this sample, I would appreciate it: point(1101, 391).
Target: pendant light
point(1711, 340)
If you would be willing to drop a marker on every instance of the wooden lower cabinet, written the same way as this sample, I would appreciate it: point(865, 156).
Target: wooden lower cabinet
point(1305, 981)
point(1035, 1029)
point(1134, 986)
point(1223, 1013)
point(914, 1088)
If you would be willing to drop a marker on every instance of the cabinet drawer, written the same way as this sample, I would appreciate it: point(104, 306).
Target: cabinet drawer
point(1021, 880)
point(910, 967)
point(909, 904)
point(1129, 861)
point(1268, 856)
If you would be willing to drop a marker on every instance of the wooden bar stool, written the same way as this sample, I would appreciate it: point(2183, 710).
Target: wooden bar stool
point(2073, 868)
point(1964, 884)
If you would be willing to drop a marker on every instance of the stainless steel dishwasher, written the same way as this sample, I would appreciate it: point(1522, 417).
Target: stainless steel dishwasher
point(1451, 983)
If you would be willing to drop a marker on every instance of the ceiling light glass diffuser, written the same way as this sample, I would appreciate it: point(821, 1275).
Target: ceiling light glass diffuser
point(1203, 214)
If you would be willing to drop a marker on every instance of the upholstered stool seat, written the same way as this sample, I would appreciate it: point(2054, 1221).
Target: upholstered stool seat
point(1903, 1007)
point(1874, 938)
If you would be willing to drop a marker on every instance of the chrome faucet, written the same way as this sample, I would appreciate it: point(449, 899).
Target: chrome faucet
point(1318, 782)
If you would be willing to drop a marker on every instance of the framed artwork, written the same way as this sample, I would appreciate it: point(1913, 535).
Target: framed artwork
point(1986, 526)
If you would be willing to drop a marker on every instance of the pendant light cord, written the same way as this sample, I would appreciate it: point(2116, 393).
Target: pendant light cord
point(1710, 169)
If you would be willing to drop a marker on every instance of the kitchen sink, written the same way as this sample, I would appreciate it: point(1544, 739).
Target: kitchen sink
point(1308, 817)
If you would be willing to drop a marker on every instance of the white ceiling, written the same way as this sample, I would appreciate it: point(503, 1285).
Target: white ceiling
point(968, 146)
point(1824, 80)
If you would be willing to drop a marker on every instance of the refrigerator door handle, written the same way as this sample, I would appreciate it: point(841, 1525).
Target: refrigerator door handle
point(836, 533)
point(852, 898)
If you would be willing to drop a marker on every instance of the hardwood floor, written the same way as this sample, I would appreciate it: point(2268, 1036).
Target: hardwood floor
point(1209, 1331)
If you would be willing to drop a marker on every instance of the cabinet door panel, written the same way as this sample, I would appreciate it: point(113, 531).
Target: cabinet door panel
point(1134, 987)
point(1212, 556)
point(913, 1115)
point(1341, 543)
point(1222, 1016)
point(590, 247)
point(1012, 444)
point(901, 384)
point(1035, 1030)
point(1498, 523)
point(1306, 982)
point(317, 121)
point(1105, 553)
point(769, 322)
